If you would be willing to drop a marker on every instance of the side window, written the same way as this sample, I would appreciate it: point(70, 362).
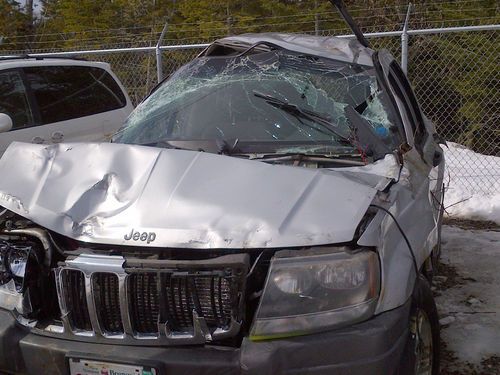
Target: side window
point(405, 93)
point(68, 92)
point(13, 99)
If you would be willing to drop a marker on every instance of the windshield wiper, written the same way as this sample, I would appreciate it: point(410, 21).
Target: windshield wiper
point(226, 148)
point(299, 112)
point(215, 146)
point(302, 157)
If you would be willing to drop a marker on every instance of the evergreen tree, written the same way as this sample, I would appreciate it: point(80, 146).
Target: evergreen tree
point(12, 26)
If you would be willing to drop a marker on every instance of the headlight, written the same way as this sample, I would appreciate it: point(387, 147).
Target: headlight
point(13, 263)
point(18, 260)
point(318, 290)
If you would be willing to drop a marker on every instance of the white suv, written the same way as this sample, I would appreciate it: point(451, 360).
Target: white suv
point(50, 100)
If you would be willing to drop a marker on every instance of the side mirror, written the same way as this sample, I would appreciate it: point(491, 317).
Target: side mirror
point(5, 123)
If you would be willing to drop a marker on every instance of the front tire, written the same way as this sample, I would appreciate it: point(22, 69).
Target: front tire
point(422, 350)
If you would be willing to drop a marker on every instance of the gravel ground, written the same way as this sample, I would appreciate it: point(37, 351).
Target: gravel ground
point(467, 289)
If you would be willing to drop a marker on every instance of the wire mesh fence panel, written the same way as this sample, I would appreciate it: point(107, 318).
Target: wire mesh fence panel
point(457, 80)
point(136, 70)
point(392, 43)
point(173, 60)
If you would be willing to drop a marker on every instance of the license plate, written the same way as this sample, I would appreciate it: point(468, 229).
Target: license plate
point(87, 367)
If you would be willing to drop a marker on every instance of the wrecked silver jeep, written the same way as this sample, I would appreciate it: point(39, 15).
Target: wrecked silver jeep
point(274, 207)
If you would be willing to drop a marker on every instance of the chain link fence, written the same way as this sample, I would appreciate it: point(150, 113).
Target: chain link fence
point(455, 73)
point(456, 77)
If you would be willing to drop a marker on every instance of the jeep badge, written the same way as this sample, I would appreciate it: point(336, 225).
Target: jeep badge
point(138, 236)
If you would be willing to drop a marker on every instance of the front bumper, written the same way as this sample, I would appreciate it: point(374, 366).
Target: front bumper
point(373, 347)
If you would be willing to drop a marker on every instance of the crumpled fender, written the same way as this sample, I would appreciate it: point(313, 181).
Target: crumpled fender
point(411, 204)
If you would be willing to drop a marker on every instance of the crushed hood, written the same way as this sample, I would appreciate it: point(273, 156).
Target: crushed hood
point(144, 196)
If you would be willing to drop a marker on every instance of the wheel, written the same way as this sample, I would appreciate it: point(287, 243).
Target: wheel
point(422, 350)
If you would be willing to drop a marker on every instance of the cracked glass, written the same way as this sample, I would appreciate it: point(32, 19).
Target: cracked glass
point(262, 97)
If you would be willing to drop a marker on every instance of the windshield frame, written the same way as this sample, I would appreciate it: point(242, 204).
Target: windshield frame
point(389, 105)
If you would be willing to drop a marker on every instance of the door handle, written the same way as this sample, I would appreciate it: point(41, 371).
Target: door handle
point(38, 140)
point(57, 137)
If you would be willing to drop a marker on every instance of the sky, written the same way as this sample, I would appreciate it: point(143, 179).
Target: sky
point(37, 5)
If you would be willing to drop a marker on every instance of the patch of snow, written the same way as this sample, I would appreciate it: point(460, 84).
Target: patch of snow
point(467, 168)
point(470, 309)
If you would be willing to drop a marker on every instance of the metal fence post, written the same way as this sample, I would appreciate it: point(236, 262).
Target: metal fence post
point(404, 42)
point(159, 57)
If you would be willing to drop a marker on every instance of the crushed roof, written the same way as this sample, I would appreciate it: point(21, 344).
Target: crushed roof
point(344, 49)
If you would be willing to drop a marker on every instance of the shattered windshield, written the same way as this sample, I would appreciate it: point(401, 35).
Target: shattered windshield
point(274, 98)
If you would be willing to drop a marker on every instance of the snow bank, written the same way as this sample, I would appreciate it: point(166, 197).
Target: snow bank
point(474, 184)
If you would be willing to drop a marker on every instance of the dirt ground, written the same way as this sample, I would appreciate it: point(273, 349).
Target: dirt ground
point(467, 290)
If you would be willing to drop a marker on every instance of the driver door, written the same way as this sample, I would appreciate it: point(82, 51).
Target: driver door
point(420, 133)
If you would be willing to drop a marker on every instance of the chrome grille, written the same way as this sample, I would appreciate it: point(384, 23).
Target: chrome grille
point(140, 303)
point(144, 302)
point(74, 295)
point(107, 302)
point(209, 296)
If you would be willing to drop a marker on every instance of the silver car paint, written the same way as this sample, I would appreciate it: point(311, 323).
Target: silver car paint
point(411, 203)
point(341, 49)
point(99, 193)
